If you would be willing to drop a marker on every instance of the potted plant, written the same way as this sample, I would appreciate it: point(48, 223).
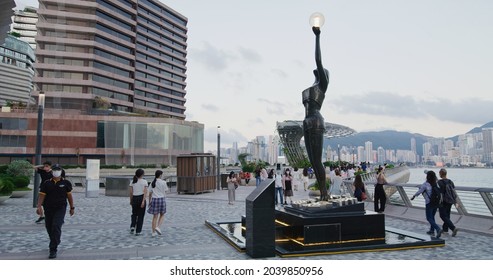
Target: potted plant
point(21, 186)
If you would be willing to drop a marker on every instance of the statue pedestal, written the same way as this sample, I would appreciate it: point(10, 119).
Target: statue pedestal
point(345, 226)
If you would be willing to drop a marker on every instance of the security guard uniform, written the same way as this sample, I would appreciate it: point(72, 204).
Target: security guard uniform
point(55, 192)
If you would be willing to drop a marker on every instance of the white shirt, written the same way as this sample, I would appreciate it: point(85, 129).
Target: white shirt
point(335, 188)
point(138, 187)
point(160, 189)
point(278, 180)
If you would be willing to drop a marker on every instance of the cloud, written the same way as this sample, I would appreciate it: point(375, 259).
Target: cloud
point(210, 107)
point(250, 55)
point(211, 57)
point(397, 106)
point(228, 137)
point(275, 108)
point(280, 73)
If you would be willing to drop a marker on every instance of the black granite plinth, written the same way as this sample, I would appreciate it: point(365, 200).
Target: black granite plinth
point(333, 229)
point(260, 224)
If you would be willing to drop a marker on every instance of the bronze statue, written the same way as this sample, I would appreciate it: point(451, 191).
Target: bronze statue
point(314, 125)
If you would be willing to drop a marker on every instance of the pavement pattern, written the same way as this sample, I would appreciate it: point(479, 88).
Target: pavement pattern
point(99, 230)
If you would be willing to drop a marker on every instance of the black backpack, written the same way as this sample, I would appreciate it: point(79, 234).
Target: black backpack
point(449, 195)
point(436, 198)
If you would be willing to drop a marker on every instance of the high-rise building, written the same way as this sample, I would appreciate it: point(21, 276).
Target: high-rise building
point(24, 23)
point(17, 72)
point(488, 144)
point(114, 76)
point(127, 55)
point(6, 13)
point(369, 151)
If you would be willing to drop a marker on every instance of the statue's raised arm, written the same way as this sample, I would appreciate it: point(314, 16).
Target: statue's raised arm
point(323, 74)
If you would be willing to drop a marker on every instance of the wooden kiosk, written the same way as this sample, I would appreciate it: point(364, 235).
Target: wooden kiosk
point(196, 173)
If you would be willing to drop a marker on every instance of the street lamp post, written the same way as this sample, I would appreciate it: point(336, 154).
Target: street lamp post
point(39, 145)
point(218, 158)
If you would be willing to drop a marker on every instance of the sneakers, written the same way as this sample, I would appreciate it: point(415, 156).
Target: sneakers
point(432, 233)
point(138, 234)
point(132, 230)
point(439, 233)
point(158, 230)
point(40, 220)
point(52, 255)
point(153, 234)
point(454, 232)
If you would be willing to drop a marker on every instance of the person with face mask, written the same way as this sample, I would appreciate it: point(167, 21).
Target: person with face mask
point(53, 196)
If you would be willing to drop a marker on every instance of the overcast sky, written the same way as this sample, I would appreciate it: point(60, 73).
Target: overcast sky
point(422, 66)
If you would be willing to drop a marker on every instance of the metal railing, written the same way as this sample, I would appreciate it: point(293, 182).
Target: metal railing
point(477, 202)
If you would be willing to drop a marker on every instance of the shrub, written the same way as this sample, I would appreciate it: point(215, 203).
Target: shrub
point(21, 182)
point(3, 169)
point(6, 185)
point(315, 186)
point(20, 168)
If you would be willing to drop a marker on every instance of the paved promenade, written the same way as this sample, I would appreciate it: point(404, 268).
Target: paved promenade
point(99, 230)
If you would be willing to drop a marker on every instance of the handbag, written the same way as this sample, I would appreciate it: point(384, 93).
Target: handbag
point(363, 196)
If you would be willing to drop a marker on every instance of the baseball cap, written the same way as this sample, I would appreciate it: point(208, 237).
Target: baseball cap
point(56, 167)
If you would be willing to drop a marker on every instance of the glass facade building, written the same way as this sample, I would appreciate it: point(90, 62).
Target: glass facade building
point(16, 70)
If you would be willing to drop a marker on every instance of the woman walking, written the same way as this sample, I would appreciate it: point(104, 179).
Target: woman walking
point(431, 210)
point(232, 183)
point(138, 194)
point(157, 202)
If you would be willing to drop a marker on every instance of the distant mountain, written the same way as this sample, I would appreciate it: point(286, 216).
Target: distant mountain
point(390, 139)
point(474, 130)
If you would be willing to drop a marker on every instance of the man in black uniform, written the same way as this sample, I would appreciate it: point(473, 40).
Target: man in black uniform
point(44, 172)
point(53, 196)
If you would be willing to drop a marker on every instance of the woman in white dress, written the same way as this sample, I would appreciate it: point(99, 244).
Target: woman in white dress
point(296, 178)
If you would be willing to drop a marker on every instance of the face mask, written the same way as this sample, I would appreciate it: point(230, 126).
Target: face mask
point(57, 173)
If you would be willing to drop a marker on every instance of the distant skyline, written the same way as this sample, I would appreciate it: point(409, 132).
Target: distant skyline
point(416, 66)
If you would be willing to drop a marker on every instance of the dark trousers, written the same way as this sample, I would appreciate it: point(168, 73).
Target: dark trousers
point(138, 212)
point(379, 198)
point(445, 216)
point(54, 218)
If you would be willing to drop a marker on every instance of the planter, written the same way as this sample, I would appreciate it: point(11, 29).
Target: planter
point(17, 194)
point(3, 198)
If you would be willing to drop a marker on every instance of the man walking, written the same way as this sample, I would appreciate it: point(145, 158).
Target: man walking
point(53, 197)
point(447, 187)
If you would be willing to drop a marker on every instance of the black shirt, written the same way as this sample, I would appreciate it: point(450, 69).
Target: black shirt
point(56, 192)
point(44, 174)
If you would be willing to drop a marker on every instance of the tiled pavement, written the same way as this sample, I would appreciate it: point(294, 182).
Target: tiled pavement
point(99, 230)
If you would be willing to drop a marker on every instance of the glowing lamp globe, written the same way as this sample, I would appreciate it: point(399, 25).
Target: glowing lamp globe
point(317, 20)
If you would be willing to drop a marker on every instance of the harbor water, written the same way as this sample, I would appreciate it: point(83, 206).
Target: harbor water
point(464, 177)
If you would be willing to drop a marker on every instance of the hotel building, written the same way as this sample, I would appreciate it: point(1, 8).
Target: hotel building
point(114, 76)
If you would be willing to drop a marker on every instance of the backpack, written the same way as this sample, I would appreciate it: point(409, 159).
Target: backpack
point(436, 198)
point(449, 195)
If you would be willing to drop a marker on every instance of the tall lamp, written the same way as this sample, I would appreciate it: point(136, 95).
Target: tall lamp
point(218, 158)
point(39, 145)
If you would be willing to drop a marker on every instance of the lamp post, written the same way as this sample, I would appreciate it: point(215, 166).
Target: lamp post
point(218, 158)
point(339, 154)
point(39, 145)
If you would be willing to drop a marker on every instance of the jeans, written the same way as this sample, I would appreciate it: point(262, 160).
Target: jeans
point(138, 213)
point(430, 217)
point(445, 216)
point(257, 181)
point(278, 193)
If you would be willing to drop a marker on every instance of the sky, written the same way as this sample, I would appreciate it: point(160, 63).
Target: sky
point(421, 66)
